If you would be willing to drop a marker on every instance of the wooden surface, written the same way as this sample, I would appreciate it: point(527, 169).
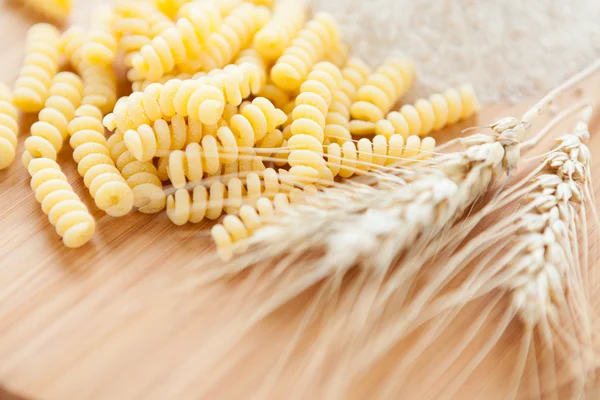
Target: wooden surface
point(117, 319)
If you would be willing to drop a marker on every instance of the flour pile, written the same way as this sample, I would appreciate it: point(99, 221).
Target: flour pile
point(506, 48)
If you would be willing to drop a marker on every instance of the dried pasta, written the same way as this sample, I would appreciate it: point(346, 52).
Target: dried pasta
point(55, 10)
point(148, 141)
point(208, 156)
point(351, 158)
point(9, 128)
point(107, 186)
point(382, 89)
point(136, 24)
point(309, 115)
point(236, 33)
point(99, 80)
point(50, 131)
point(229, 196)
point(141, 176)
point(231, 234)
point(42, 50)
point(66, 212)
point(425, 116)
point(311, 44)
point(204, 98)
point(178, 46)
point(255, 121)
point(276, 36)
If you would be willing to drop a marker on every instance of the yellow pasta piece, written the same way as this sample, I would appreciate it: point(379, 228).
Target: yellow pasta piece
point(382, 89)
point(9, 128)
point(65, 210)
point(141, 176)
point(232, 234)
point(236, 33)
point(204, 98)
point(272, 40)
point(179, 45)
point(107, 186)
point(309, 115)
point(255, 121)
point(147, 141)
point(169, 7)
point(50, 131)
point(99, 80)
point(424, 116)
point(39, 67)
point(208, 156)
point(56, 10)
point(229, 196)
point(311, 44)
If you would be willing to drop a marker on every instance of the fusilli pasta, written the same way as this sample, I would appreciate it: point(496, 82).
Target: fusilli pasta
point(311, 44)
point(65, 210)
point(382, 89)
point(42, 50)
point(92, 155)
point(9, 128)
point(50, 131)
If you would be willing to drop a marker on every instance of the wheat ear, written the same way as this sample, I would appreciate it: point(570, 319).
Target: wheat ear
point(347, 226)
point(539, 262)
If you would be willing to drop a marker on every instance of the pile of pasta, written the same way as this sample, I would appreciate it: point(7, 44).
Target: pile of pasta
point(237, 109)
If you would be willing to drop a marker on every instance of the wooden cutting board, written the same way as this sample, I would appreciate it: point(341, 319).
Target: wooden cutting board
point(120, 318)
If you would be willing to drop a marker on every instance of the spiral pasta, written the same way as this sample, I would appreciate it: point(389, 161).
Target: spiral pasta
point(236, 33)
point(310, 113)
point(101, 45)
point(99, 80)
point(311, 44)
point(50, 131)
point(351, 158)
point(355, 74)
point(169, 7)
point(208, 156)
point(337, 126)
point(42, 50)
point(251, 56)
point(338, 55)
point(231, 86)
point(179, 45)
point(141, 176)
point(148, 141)
point(204, 98)
point(141, 85)
point(136, 24)
point(9, 128)
point(255, 121)
point(107, 186)
point(66, 212)
point(248, 161)
point(382, 89)
point(99, 87)
point(272, 40)
point(56, 10)
point(425, 116)
point(228, 196)
point(231, 234)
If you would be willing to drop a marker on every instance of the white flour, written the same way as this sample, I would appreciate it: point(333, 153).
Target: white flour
point(506, 48)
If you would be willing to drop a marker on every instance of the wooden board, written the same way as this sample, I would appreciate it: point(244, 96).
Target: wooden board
point(118, 318)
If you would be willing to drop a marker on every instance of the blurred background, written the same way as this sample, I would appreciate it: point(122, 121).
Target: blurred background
point(507, 49)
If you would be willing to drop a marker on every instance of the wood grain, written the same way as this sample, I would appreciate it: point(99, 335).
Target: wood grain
point(117, 318)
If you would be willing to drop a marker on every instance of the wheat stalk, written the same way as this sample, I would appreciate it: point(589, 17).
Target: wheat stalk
point(540, 259)
point(353, 225)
